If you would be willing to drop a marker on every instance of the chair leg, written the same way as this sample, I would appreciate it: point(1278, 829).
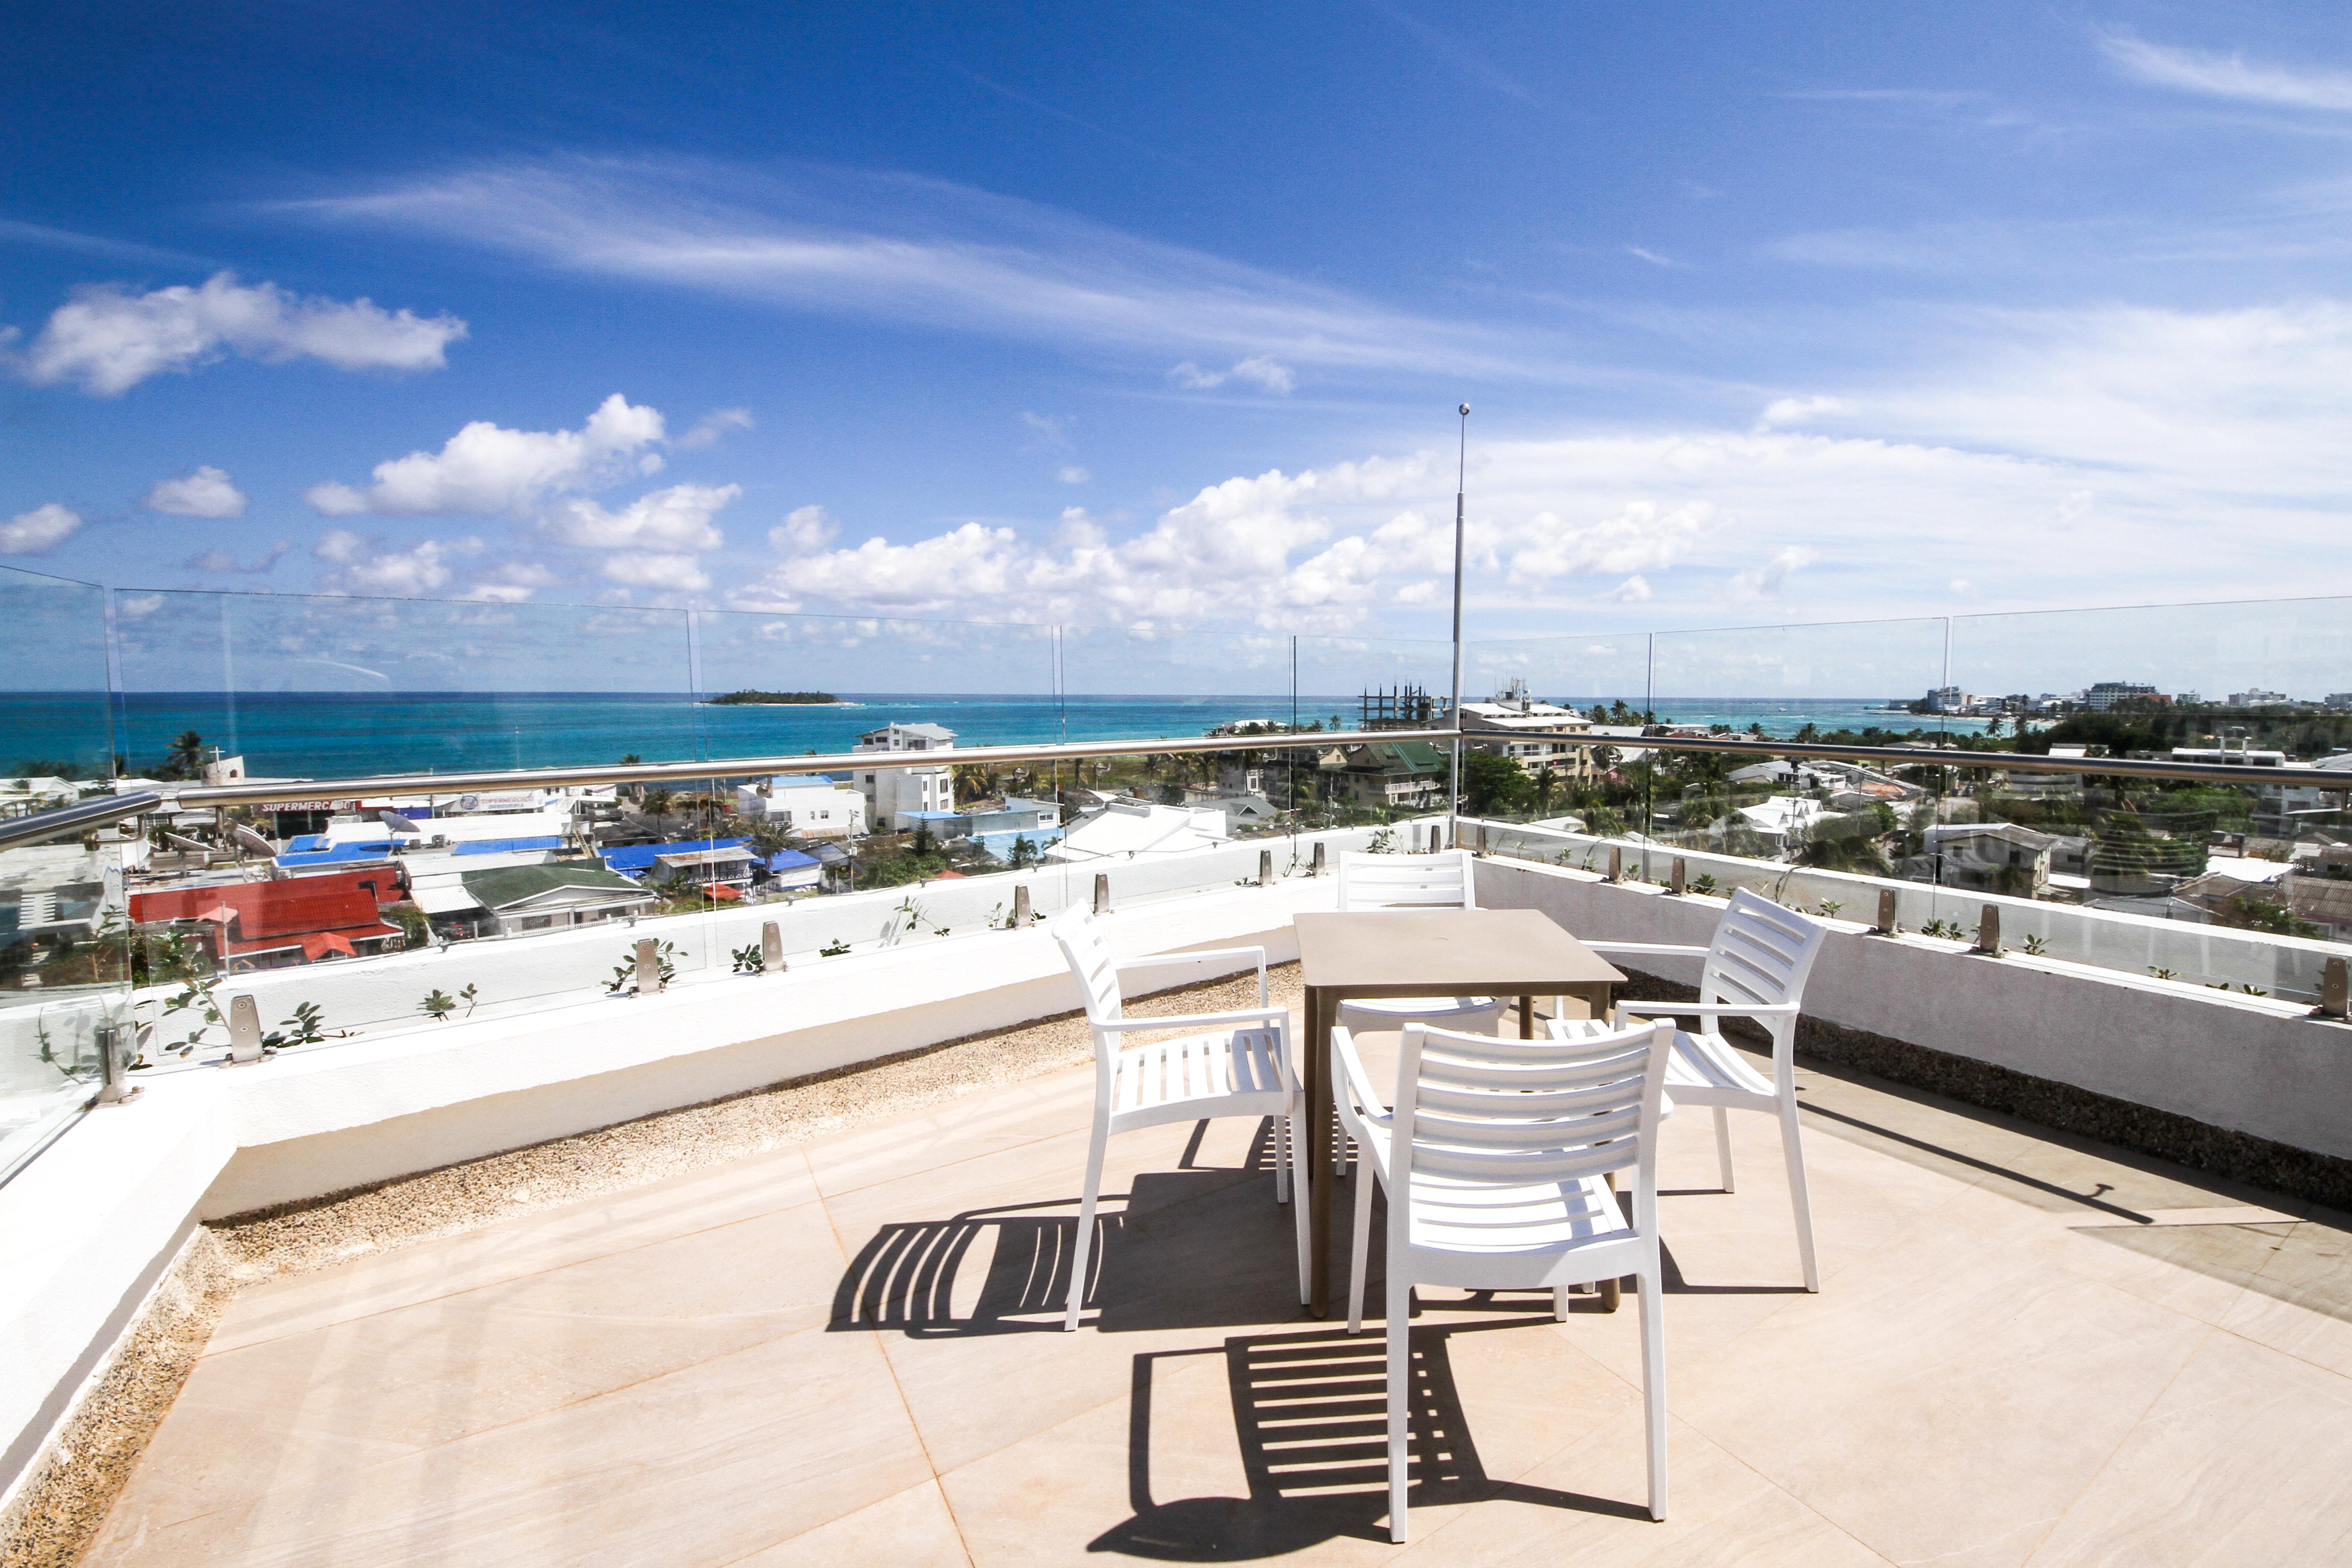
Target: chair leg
point(1086, 1222)
point(1359, 1248)
point(1299, 1221)
point(1795, 1150)
point(1652, 1290)
point(1399, 1347)
point(1560, 1303)
point(1723, 1143)
point(1282, 1158)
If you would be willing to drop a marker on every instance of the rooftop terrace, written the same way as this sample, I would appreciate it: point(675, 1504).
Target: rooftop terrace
point(2028, 1348)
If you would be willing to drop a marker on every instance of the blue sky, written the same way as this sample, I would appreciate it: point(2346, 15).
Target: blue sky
point(1157, 315)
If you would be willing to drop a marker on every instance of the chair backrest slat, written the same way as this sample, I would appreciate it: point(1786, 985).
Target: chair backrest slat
point(1081, 939)
point(1443, 880)
point(1477, 1108)
point(1762, 953)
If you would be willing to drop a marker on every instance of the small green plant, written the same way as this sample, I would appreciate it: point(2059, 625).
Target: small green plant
point(1829, 908)
point(832, 949)
point(2162, 973)
point(1383, 842)
point(470, 996)
point(437, 1005)
point(1949, 930)
point(625, 972)
point(749, 959)
point(1703, 884)
point(2035, 945)
point(306, 1026)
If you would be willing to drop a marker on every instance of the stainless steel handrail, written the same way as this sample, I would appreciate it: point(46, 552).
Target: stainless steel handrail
point(442, 785)
point(64, 821)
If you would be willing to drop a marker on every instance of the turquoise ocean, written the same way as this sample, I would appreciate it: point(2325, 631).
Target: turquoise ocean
point(346, 734)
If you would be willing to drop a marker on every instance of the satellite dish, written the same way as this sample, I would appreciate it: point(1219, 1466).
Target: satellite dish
point(252, 840)
point(397, 822)
point(181, 841)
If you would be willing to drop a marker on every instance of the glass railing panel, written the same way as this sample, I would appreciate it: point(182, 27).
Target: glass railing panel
point(913, 691)
point(1373, 684)
point(1149, 819)
point(1520, 694)
point(64, 959)
point(2231, 885)
point(351, 913)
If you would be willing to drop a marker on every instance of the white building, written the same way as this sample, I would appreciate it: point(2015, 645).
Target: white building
point(1127, 829)
point(2258, 698)
point(810, 806)
point(1513, 713)
point(896, 794)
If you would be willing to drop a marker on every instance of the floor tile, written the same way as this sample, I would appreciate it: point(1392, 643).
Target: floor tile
point(2207, 1480)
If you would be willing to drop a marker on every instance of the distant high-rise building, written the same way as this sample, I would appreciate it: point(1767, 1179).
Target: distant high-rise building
point(2106, 694)
point(2258, 698)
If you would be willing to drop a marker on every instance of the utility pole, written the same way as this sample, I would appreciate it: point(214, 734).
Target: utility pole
point(1453, 783)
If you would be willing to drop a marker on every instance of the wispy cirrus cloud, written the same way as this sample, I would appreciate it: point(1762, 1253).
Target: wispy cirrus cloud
point(906, 248)
point(2229, 76)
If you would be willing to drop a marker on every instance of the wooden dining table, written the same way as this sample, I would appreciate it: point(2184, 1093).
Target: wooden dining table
point(1420, 952)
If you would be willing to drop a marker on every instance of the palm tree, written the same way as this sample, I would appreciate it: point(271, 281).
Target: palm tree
point(186, 760)
point(973, 781)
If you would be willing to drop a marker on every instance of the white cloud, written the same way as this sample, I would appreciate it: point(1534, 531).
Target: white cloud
point(1767, 581)
point(711, 427)
point(207, 492)
point(648, 569)
point(1783, 411)
point(109, 340)
point(675, 518)
point(1071, 474)
point(804, 532)
point(1656, 260)
point(906, 248)
point(2229, 76)
point(1261, 371)
point(1052, 429)
point(415, 572)
point(1634, 590)
point(1643, 537)
point(487, 470)
point(511, 583)
point(340, 545)
point(30, 532)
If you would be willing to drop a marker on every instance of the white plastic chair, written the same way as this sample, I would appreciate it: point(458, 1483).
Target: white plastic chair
point(1495, 1159)
point(1756, 968)
point(1441, 882)
point(1241, 1066)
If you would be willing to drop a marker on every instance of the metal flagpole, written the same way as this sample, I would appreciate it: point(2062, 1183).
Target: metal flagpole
point(1454, 780)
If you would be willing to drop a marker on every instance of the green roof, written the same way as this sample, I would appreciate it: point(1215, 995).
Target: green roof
point(512, 884)
point(1405, 756)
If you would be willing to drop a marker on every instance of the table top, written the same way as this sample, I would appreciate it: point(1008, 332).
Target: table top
point(1415, 953)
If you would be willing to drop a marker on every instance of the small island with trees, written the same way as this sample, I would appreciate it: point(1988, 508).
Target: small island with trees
point(794, 699)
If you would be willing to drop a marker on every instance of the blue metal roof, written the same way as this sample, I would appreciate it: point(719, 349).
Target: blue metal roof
point(641, 856)
point(803, 779)
point(507, 845)
point(788, 859)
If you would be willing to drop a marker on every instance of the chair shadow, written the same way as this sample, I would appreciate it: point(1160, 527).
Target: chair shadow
point(1198, 1247)
point(1311, 1411)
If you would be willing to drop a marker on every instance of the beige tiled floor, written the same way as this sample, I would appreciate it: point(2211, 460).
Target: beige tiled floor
point(2027, 1350)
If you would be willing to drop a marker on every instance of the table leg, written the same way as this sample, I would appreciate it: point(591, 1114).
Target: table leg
point(1526, 1018)
point(1317, 1068)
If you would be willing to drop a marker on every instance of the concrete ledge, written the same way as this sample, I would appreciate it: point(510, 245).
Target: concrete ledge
point(2240, 1085)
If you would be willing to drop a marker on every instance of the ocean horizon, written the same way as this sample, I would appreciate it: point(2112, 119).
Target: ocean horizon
point(334, 735)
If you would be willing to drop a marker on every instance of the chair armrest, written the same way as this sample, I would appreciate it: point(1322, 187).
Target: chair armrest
point(1280, 1017)
point(1348, 1068)
point(1174, 958)
point(1709, 1009)
point(1669, 950)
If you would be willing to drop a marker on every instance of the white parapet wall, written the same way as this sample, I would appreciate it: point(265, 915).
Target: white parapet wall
point(88, 1228)
point(2255, 1065)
